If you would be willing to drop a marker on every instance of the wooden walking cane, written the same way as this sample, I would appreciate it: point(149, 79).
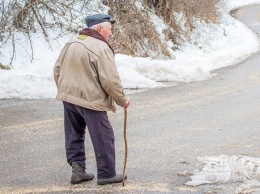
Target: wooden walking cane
point(126, 149)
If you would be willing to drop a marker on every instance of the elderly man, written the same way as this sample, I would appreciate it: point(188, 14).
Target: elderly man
point(88, 84)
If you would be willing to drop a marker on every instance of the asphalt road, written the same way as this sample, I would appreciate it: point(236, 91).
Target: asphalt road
point(167, 130)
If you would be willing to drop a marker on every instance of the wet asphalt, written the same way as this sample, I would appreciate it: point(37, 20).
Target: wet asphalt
point(167, 130)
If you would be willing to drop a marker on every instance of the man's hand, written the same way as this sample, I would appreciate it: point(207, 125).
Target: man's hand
point(127, 103)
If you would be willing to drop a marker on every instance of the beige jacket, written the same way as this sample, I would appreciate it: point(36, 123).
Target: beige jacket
point(86, 75)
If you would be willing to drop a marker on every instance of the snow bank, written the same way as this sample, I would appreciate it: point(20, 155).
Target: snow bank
point(212, 47)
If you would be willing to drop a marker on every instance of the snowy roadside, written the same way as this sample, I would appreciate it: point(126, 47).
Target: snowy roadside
point(226, 169)
point(213, 47)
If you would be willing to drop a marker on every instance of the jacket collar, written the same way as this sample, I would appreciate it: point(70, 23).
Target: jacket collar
point(95, 34)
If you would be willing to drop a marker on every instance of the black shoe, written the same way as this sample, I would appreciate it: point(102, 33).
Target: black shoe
point(79, 175)
point(116, 179)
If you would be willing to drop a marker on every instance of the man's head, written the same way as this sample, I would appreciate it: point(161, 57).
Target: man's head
point(102, 23)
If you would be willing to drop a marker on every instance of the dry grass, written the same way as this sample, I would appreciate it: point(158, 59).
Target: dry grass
point(134, 32)
point(4, 67)
point(136, 35)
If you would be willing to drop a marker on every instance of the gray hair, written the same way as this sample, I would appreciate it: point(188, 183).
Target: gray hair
point(103, 24)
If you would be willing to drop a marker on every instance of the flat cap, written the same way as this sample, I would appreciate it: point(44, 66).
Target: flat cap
point(97, 19)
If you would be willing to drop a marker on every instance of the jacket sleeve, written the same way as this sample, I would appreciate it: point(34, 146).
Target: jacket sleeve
point(109, 77)
point(57, 66)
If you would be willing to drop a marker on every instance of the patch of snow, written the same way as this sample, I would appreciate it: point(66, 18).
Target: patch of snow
point(223, 169)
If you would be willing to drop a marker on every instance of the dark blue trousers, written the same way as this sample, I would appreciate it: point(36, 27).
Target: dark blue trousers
point(76, 119)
